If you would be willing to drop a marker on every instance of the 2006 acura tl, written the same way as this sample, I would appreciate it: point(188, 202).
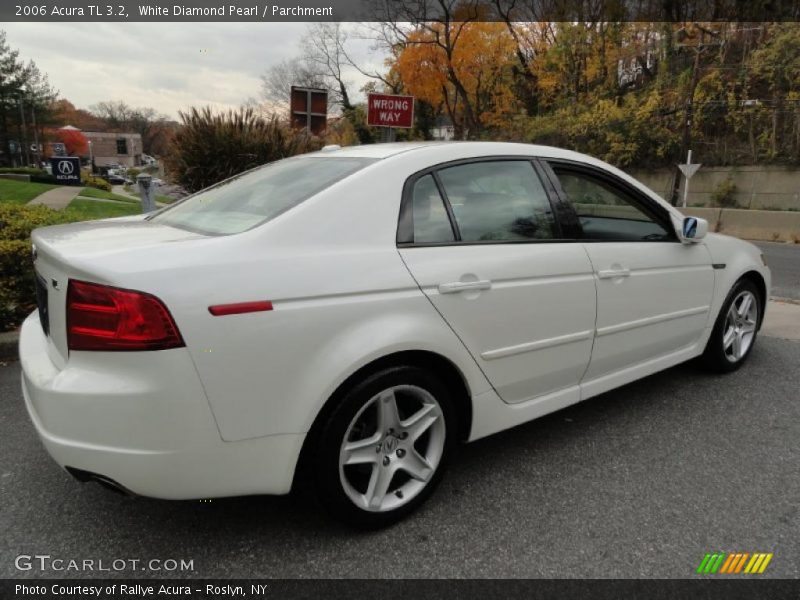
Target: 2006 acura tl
point(356, 312)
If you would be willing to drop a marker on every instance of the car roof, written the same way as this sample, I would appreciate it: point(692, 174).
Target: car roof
point(374, 150)
point(387, 150)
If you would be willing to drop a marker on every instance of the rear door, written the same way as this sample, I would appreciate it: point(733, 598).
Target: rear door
point(481, 239)
point(653, 292)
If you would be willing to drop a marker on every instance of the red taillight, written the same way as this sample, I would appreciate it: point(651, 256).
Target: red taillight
point(100, 317)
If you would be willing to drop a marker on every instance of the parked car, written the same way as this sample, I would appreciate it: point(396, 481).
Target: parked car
point(116, 179)
point(349, 316)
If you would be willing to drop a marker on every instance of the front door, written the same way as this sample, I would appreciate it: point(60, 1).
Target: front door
point(653, 292)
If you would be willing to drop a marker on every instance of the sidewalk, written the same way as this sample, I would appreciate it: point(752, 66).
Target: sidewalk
point(782, 320)
point(57, 198)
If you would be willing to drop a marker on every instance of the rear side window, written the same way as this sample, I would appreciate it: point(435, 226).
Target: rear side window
point(254, 197)
point(498, 201)
point(431, 223)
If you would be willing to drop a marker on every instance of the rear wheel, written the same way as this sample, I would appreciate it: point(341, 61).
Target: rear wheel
point(735, 331)
point(384, 447)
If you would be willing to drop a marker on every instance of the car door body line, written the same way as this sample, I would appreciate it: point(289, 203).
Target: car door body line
point(651, 320)
point(537, 345)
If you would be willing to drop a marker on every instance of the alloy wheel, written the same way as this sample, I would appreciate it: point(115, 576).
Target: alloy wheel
point(392, 448)
point(740, 326)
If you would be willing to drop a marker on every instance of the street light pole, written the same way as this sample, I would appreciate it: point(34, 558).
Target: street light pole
point(24, 136)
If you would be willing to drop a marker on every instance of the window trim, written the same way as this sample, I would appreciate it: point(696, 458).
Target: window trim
point(640, 200)
point(405, 225)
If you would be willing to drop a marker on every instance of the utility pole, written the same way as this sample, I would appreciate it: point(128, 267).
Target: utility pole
point(686, 137)
point(24, 140)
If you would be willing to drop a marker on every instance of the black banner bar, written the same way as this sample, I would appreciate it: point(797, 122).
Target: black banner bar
point(155, 11)
point(354, 589)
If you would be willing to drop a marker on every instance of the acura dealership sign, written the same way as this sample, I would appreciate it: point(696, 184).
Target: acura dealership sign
point(66, 170)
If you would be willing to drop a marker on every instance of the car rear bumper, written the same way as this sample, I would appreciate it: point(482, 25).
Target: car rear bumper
point(142, 420)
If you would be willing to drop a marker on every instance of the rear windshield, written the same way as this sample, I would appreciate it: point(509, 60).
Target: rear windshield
point(256, 196)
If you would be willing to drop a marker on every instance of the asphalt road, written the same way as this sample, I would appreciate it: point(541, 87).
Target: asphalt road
point(639, 482)
point(784, 261)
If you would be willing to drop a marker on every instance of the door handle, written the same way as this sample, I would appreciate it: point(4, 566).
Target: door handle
point(463, 286)
point(613, 273)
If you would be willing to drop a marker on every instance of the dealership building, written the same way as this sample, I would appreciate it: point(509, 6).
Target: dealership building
point(115, 148)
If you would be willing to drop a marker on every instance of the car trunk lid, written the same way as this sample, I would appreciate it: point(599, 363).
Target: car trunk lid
point(77, 251)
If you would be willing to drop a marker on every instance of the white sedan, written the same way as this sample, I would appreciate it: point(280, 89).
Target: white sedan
point(349, 316)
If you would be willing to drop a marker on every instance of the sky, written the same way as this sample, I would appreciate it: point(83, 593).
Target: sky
point(166, 66)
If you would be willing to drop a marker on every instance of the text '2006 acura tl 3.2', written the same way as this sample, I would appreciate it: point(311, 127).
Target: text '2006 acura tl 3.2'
point(347, 317)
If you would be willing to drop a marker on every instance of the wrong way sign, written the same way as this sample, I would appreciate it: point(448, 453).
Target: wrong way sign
point(386, 110)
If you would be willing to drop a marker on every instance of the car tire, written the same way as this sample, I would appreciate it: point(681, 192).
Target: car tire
point(735, 329)
point(384, 447)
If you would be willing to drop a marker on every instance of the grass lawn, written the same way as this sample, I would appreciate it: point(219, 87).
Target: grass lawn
point(95, 193)
point(87, 210)
point(21, 192)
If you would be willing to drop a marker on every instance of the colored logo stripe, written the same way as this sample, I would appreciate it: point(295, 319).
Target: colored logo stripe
point(734, 562)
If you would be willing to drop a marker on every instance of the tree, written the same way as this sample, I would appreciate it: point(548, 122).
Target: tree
point(63, 112)
point(74, 141)
point(323, 49)
point(463, 68)
point(280, 77)
point(146, 121)
point(23, 90)
point(116, 113)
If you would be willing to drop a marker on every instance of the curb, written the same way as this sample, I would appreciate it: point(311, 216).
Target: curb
point(9, 342)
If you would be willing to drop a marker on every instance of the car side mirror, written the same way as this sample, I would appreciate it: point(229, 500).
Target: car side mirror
point(693, 229)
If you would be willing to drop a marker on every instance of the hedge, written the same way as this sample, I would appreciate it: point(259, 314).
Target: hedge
point(17, 291)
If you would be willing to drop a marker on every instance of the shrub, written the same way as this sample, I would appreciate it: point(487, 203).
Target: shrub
point(724, 194)
point(17, 292)
point(25, 171)
point(211, 147)
point(95, 182)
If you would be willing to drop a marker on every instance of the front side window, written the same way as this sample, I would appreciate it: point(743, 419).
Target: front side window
point(256, 196)
point(607, 213)
point(501, 200)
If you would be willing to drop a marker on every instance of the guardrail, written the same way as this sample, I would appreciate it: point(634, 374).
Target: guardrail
point(763, 225)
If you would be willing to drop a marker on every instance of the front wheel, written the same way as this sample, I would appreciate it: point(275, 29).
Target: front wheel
point(384, 447)
point(735, 331)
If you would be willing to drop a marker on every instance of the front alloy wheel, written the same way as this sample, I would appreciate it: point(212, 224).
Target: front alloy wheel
point(384, 447)
point(735, 330)
point(740, 326)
